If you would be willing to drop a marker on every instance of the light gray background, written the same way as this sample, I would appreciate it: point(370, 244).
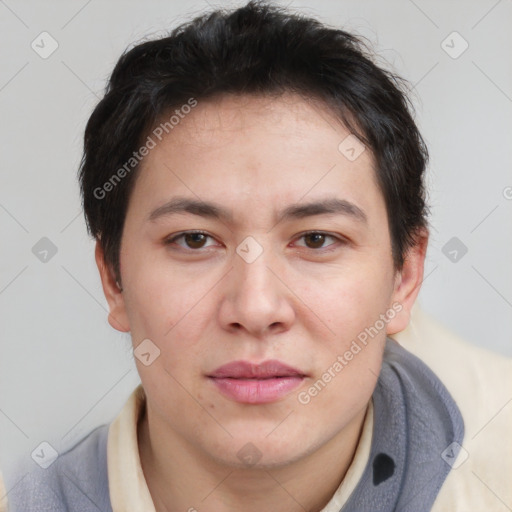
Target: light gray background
point(63, 370)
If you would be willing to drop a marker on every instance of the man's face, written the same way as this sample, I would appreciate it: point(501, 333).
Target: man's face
point(290, 261)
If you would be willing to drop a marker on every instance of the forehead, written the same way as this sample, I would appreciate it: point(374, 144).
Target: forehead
point(258, 151)
point(288, 121)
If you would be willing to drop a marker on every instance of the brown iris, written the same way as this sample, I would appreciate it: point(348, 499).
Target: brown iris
point(195, 240)
point(314, 240)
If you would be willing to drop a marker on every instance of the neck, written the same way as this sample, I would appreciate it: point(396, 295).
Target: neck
point(181, 477)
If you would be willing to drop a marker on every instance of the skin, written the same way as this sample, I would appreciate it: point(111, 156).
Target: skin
point(300, 302)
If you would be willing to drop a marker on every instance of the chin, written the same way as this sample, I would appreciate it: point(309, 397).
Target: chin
point(262, 452)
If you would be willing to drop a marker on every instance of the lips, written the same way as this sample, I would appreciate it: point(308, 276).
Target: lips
point(250, 383)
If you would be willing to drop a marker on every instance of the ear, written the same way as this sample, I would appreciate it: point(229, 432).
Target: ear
point(408, 283)
point(117, 317)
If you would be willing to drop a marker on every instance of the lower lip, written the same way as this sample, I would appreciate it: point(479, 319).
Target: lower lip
point(261, 391)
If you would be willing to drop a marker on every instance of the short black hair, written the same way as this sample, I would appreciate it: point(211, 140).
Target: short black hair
point(264, 49)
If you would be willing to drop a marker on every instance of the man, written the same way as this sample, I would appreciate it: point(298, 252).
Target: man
point(254, 183)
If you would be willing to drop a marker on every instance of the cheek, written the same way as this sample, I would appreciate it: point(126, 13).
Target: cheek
point(161, 300)
point(335, 398)
point(174, 311)
point(347, 301)
point(348, 359)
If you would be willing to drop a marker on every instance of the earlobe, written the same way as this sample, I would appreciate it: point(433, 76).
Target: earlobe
point(408, 283)
point(113, 291)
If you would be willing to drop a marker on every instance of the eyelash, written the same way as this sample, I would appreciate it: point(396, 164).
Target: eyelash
point(338, 239)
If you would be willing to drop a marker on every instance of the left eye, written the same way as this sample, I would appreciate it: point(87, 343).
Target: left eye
point(317, 240)
point(192, 240)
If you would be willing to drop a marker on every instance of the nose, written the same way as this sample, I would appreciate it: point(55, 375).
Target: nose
point(255, 300)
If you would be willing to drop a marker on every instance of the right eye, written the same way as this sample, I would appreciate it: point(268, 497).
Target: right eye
point(190, 240)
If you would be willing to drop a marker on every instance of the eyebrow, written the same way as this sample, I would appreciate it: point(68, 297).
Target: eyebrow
point(294, 211)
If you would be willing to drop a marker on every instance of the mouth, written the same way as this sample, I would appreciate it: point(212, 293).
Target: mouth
point(261, 383)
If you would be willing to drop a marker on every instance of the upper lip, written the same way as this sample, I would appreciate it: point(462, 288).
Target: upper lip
point(247, 370)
